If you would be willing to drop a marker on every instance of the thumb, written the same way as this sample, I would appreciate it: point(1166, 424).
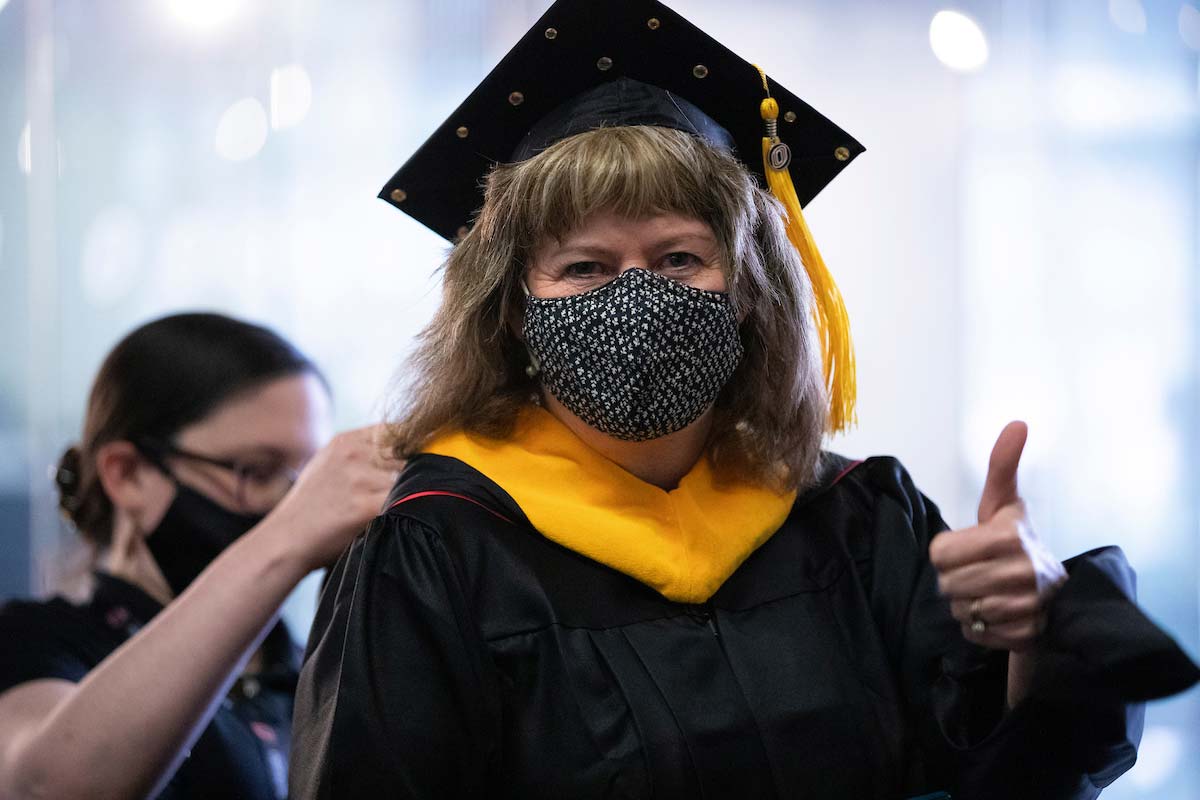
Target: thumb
point(1000, 488)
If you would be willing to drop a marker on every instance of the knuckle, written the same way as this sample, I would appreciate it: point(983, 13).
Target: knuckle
point(339, 444)
point(1028, 575)
point(1016, 510)
point(1010, 537)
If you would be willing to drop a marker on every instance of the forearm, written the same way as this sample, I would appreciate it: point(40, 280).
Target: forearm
point(130, 721)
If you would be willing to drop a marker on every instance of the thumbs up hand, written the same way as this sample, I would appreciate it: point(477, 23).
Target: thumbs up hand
point(998, 575)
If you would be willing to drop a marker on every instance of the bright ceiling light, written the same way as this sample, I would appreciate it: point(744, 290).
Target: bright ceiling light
point(203, 15)
point(242, 130)
point(957, 41)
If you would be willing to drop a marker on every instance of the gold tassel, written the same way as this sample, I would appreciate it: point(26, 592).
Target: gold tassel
point(829, 309)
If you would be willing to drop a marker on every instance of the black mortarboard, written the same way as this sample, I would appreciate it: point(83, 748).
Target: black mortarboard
point(588, 63)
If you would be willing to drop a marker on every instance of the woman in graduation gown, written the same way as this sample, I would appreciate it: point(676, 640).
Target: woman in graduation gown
point(196, 427)
point(618, 563)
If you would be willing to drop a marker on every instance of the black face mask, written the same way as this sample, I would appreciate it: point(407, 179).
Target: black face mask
point(192, 533)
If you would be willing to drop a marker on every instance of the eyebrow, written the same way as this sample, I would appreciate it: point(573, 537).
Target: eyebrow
point(670, 243)
point(259, 451)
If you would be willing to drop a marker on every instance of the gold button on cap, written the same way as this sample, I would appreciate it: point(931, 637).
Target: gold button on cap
point(790, 116)
point(842, 154)
point(462, 132)
point(653, 23)
point(700, 71)
point(399, 195)
point(551, 33)
point(516, 98)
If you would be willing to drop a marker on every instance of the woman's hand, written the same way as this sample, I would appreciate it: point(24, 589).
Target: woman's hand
point(998, 575)
point(338, 493)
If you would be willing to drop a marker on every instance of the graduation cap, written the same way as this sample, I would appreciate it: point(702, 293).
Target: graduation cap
point(601, 63)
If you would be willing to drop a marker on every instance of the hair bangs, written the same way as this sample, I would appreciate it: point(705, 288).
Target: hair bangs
point(635, 172)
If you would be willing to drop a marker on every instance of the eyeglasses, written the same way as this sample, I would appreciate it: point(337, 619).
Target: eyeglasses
point(261, 483)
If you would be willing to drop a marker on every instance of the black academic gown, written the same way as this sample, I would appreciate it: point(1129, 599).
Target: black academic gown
point(458, 653)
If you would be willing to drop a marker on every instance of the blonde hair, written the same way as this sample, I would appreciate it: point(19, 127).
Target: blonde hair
point(468, 370)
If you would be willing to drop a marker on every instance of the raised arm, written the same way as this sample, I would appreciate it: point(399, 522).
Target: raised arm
point(122, 731)
point(1073, 717)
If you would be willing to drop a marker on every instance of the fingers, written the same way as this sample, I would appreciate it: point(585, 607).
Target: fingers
point(350, 478)
point(1000, 538)
point(384, 466)
point(989, 577)
point(996, 609)
point(343, 487)
point(1010, 622)
point(380, 436)
point(387, 466)
point(373, 441)
point(1000, 488)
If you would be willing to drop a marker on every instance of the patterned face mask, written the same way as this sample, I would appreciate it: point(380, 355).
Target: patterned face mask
point(637, 358)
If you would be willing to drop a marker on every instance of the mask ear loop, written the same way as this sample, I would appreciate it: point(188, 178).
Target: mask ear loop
point(534, 368)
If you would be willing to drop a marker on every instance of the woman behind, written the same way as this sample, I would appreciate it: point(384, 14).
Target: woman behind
point(197, 427)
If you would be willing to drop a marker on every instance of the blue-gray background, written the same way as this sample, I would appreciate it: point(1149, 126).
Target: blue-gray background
point(1019, 241)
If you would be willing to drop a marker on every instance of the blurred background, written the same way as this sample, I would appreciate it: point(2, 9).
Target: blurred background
point(1021, 239)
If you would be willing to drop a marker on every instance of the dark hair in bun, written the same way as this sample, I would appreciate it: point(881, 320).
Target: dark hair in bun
point(66, 478)
point(160, 378)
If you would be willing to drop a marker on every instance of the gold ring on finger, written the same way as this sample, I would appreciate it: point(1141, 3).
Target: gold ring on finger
point(978, 624)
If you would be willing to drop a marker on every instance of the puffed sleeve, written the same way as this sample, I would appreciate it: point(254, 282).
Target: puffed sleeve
point(1099, 658)
point(393, 699)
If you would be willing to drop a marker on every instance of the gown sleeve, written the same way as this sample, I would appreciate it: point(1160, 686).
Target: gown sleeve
point(392, 699)
point(1099, 658)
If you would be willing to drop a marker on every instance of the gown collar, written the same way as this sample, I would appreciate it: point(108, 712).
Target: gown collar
point(683, 543)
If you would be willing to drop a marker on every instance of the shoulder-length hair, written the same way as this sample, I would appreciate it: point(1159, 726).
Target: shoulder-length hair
point(468, 370)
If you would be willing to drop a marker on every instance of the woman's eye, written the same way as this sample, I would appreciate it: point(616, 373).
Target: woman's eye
point(681, 260)
point(582, 269)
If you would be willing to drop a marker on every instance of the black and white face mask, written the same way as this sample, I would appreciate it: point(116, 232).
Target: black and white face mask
point(638, 358)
